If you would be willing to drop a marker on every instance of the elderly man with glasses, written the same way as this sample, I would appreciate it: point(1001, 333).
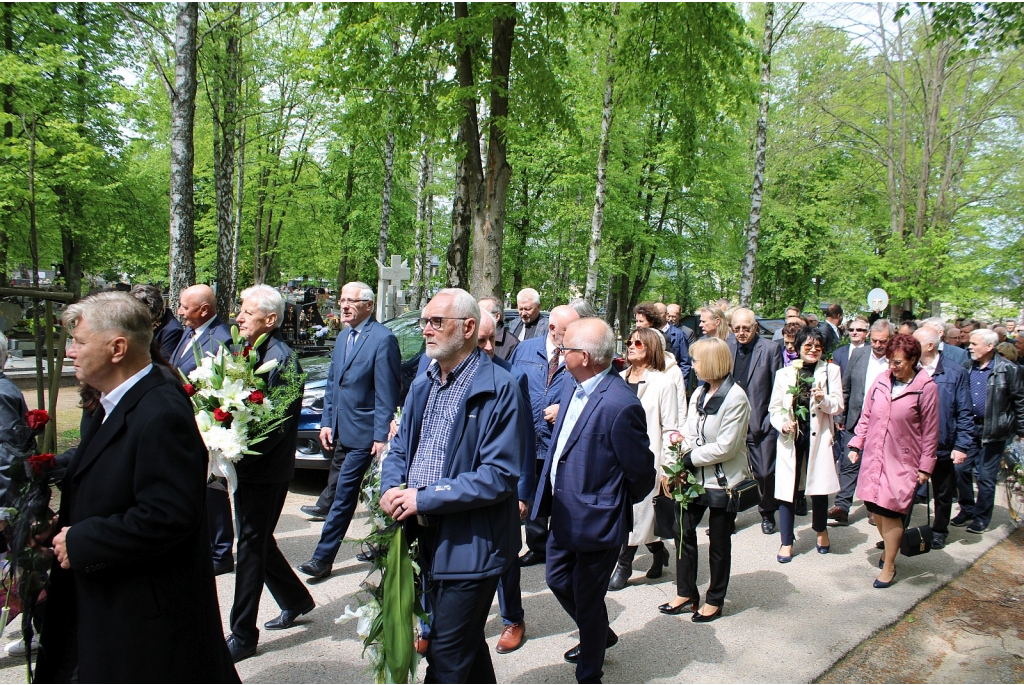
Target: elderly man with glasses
point(362, 393)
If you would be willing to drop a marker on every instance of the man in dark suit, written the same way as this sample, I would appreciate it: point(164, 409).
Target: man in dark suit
point(262, 488)
point(830, 326)
point(530, 324)
point(504, 342)
point(755, 361)
point(858, 332)
point(458, 451)
point(950, 353)
point(363, 385)
point(205, 332)
point(132, 596)
point(674, 314)
point(675, 341)
point(545, 371)
point(865, 365)
point(599, 465)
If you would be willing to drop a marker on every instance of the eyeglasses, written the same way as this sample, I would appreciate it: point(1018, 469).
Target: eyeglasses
point(635, 343)
point(898, 362)
point(743, 329)
point(858, 330)
point(436, 322)
point(811, 347)
point(563, 350)
point(350, 301)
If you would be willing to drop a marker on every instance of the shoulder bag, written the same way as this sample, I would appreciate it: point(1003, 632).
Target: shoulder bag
point(917, 540)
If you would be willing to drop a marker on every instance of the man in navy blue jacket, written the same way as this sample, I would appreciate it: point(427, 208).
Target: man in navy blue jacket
point(363, 385)
point(599, 465)
point(956, 426)
point(451, 476)
point(545, 372)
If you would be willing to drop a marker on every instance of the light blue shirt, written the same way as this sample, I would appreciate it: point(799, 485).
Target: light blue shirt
point(572, 414)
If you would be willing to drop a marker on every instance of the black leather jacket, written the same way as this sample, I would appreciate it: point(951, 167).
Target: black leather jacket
point(1004, 401)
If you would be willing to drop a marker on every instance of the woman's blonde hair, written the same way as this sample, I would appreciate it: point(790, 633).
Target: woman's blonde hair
point(1008, 350)
point(712, 360)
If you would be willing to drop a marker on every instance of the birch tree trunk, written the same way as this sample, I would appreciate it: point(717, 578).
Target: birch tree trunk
point(183, 111)
point(420, 253)
point(225, 84)
point(385, 212)
point(597, 218)
point(236, 227)
point(760, 147)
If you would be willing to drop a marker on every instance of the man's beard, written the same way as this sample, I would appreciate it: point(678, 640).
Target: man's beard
point(444, 350)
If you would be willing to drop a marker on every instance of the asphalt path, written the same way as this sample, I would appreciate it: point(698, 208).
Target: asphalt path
point(782, 623)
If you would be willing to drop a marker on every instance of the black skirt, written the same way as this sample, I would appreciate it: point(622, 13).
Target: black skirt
point(882, 511)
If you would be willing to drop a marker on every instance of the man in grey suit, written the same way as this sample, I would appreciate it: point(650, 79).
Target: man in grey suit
point(530, 324)
point(755, 361)
point(860, 374)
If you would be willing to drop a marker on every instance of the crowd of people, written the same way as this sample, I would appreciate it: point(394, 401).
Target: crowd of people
point(533, 432)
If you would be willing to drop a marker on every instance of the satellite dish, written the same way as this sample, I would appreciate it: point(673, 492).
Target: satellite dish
point(878, 300)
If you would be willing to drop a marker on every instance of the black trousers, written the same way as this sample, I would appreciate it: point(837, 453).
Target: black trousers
point(537, 528)
point(848, 473)
point(326, 498)
point(721, 525)
point(761, 457)
point(257, 509)
point(222, 532)
point(579, 581)
point(944, 488)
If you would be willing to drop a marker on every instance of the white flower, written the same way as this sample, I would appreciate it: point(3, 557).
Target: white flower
point(797, 364)
point(229, 442)
point(240, 417)
point(232, 395)
point(205, 421)
point(202, 373)
point(364, 617)
point(266, 367)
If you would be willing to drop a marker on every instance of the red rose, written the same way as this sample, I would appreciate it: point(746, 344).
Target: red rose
point(39, 462)
point(221, 415)
point(37, 418)
point(256, 397)
point(190, 389)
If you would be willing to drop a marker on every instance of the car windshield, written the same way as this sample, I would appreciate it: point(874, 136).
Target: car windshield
point(315, 368)
point(410, 336)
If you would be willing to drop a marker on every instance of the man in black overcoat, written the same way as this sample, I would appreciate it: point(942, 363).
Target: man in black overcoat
point(132, 595)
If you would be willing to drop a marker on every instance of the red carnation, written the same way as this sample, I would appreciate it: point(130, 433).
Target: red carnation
point(190, 389)
point(221, 415)
point(256, 397)
point(37, 418)
point(39, 462)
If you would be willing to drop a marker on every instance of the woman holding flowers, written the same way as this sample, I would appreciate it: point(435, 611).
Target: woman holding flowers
point(806, 396)
point(645, 375)
point(714, 445)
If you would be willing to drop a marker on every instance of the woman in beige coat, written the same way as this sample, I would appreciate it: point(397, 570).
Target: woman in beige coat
point(646, 376)
point(803, 460)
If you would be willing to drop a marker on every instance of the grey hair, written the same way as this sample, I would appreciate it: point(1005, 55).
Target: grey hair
point(988, 337)
point(600, 346)
point(365, 291)
point(3, 350)
point(484, 314)
point(530, 294)
point(267, 300)
point(883, 325)
point(494, 309)
point(929, 333)
point(583, 308)
point(113, 311)
point(463, 304)
point(936, 324)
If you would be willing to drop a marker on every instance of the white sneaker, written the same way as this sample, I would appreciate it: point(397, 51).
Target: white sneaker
point(17, 648)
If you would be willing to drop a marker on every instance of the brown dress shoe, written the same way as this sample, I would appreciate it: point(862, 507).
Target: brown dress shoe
point(511, 638)
point(421, 646)
point(839, 515)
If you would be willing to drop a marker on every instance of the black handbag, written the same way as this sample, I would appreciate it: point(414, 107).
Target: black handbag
point(735, 499)
point(666, 512)
point(917, 540)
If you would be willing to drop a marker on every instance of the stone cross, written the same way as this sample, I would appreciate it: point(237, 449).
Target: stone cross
point(389, 284)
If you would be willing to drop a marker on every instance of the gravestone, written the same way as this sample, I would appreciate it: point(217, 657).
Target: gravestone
point(389, 285)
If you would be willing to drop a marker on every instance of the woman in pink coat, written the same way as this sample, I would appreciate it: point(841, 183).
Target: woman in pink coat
point(897, 436)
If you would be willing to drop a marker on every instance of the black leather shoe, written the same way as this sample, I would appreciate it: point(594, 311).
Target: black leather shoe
point(573, 655)
point(287, 617)
point(767, 525)
point(313, 512)
point(531, 558)
point(938, 540)
point(658, 565)
point(316, 568)
point(620, 577)
point(238, 650)
point(701, 618)
point(226, 567)
point(689, 605)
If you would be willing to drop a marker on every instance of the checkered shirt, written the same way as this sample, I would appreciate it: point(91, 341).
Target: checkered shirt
point(443, 404)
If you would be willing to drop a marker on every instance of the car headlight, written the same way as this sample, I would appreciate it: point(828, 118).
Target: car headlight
point(313, 400)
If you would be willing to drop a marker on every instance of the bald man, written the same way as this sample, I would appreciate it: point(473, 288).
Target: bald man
point(545, 372)
point(674, 315)
point(204, 332)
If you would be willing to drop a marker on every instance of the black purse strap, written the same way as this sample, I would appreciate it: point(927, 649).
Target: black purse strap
point(927, 505)
point(723, 482)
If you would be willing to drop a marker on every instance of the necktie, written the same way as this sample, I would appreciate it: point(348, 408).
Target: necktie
point(186, 342)
point(552, 365)
point(350, 342)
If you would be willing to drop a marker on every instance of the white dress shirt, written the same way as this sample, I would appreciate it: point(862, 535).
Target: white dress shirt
point(195, 336)
point(579, 400)
point(875, 366)
point(110, 399)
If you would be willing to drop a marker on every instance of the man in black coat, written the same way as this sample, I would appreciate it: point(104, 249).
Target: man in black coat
point(132, 596)
point(262, 487)
point(755, 361)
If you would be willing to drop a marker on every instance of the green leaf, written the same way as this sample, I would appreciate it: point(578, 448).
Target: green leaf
point(397, 607)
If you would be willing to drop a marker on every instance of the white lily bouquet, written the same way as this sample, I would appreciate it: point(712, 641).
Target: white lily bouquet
point(233, 408)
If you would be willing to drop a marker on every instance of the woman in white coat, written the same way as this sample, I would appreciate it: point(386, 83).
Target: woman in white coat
point(806, 426)
point(645, 374)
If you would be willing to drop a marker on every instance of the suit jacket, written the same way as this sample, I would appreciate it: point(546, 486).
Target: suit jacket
point(539, 330)
point(606, 467)
point(953, 355)
point(363, 389)
point(831, 339)
point(531, 357)
point(209, 342)
point(765, 360)
point(853, 388)
point(476, 512)
point(691, 337)
point(168, 334)
point(504, 343)
point(677, 344)
point(274, 461)
point(841, 356)
point(140, 595)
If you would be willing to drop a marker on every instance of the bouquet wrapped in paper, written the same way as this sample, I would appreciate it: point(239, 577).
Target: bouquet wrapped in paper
point(233, 406)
